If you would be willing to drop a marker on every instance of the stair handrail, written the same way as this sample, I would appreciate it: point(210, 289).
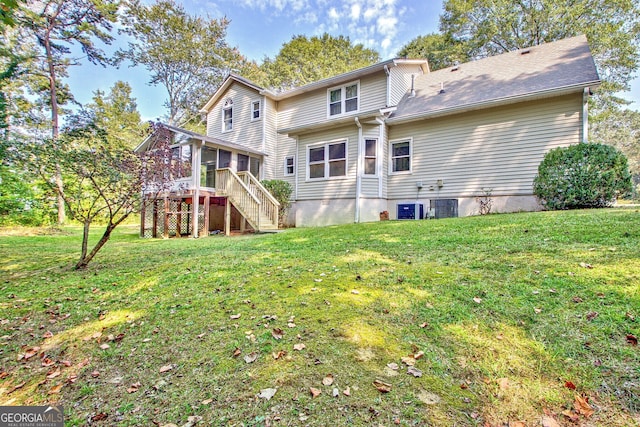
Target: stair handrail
point(271, 206)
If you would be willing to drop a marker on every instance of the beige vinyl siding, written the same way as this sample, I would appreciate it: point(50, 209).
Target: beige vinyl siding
point(310, 108)
point(400, 81)
point(286, 148)
point(331, 188)
point(369, 183)
point(498, 149)
point(245, 131)
point(270, 118)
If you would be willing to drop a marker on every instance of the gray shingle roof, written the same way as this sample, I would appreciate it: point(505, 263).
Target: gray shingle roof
point(551, 68)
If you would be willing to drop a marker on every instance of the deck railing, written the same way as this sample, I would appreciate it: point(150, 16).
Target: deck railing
point(247, 198)
point(269, 206)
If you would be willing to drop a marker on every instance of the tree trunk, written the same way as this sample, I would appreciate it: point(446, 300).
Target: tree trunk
point(86, 258)
point(55, 126)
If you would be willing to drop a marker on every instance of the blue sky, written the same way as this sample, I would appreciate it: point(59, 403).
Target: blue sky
point(259, 28)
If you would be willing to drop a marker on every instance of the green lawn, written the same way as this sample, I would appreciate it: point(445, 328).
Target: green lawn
point(502, 315)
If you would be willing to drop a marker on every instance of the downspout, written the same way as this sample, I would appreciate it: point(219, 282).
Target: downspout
point(388, 72)
point(358, 172)
point(381, 145)
point(264, 136)
point(295, 168)
point(585, 115)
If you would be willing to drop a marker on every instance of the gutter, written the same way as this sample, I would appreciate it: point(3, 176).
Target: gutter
point(492, 103)
point(358, 171)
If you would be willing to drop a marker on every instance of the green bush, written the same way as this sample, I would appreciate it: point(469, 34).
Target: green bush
point(281, 191)
point(582, 176)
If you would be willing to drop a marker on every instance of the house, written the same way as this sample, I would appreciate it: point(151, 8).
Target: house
point(392, 137)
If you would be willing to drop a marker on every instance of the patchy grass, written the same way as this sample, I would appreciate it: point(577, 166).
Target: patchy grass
point(510, 311)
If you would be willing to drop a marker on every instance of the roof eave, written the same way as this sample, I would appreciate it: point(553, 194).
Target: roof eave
point(493, 103)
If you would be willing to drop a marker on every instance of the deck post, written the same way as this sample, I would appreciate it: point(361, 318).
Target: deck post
point(154, 232)
point(207, 203)
point(166, 218)
point(227, 217)
point(143, 209)
point(179, 218)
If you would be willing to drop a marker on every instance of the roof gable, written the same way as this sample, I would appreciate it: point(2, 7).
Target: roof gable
point(226, 84)
point(551, 68)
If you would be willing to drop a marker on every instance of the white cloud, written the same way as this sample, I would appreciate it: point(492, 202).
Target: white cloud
point(355, 11)
point(333, 14)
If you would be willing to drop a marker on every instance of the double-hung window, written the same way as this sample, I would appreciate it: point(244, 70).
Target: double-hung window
point(400, 156)
point(370, 157)
point(227, 115)
point(289, 165)
point(255, 110)
point(343, 99)
point(327, 161)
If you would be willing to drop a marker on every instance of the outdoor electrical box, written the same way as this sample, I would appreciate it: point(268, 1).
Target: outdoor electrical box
point(411, 211)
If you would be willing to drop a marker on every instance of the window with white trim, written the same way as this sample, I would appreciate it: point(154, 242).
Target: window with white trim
point(255, 110)
point(344, 99)
point(227, 115)
point(327, 161)
point(370, 156)
point(400, 152)
point(289, 166)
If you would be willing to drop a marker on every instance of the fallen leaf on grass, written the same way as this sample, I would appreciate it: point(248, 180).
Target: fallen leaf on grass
point(630, 316)
point(548, 421)
point(315, 392)
point(46, 362)
point(95, 374)
point(52, 374)
point(503, 383)
point(414, 371)
point(418, 355)
point(237, 352)
point(592, 315)
point(347, 391)
point(165, 368)
point(299, 346)
point(99, 417)
point(267, 393)
point(577, 300)
point(382, 387)
point(573, 417)
point(477, 300)
point(335, 392)
point(582, 406)
point(517, 424)
point(569, 385)
point(235, 316)
point(393, 366)
point(632, 339)
point(206, 401)
point(16, 387)
point(537, 310)
point(56, 389)
point(585, 265)
point(280, 354)
point(104, 346)
point(47, 334)
point(134, 387)
point(328, 380)
point(408, 360)
point(251, 357)
point(277, 333)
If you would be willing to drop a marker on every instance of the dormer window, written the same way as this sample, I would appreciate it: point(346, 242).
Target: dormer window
point(227, 115)
point(343, 99)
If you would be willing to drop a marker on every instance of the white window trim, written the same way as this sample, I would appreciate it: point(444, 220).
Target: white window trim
point(326, 144)
point(343, 99)
point(364, 157)
point(259, 102)
point(285, 165)
point(398, 141)
point(228, 104)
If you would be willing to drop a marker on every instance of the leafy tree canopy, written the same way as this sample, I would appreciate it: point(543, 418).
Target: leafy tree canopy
point(437, 49)
point(187, 55)
point(304, 60)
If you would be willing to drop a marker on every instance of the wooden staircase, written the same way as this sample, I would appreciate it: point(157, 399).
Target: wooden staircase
point(249, 197)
